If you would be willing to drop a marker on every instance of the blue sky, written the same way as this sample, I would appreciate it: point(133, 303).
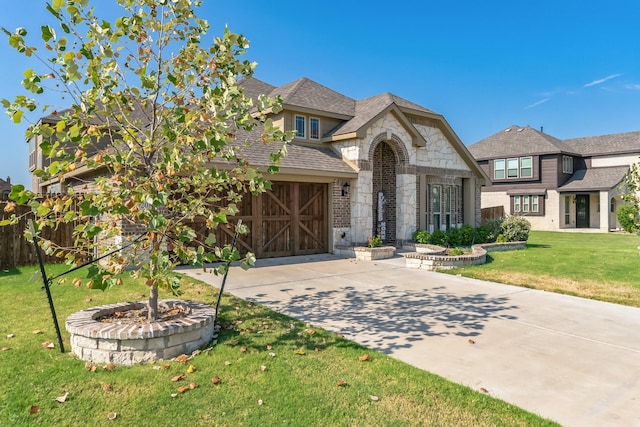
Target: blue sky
point(572, 67)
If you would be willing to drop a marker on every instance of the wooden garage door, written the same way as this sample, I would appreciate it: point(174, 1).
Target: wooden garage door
point(290, 219)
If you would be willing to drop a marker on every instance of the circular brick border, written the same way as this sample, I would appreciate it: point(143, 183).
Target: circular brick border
point(128, 344)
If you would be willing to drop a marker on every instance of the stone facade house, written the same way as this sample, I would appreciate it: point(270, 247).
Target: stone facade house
point(558, 184)
point(356, 168)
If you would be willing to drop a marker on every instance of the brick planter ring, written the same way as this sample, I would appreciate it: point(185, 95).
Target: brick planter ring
point(131, 343)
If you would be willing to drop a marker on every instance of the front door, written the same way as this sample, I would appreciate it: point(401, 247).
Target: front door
point(582, 211)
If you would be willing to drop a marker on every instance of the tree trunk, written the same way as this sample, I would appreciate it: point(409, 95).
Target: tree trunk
point(153, 303)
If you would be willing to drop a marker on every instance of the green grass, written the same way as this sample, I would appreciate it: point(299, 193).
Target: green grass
point(590, 265)
point(295, 389)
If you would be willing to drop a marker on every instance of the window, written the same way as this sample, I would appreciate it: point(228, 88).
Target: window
point(512, 168)
point(567, 210)
point(498, 169)
point(516, 203)
point(535, 207)
point(435, 203)
point(525, 203)
point(447, 207)
point(300, 128)
point(526, 170)
point(567, 164)
point(613, 205)
point(314, 128)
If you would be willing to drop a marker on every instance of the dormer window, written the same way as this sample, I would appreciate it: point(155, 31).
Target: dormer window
point(300, 126)
point(567, 164)
point(314, 128)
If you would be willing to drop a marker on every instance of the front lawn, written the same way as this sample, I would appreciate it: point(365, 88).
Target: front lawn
point(602, 266)
point(271, 370)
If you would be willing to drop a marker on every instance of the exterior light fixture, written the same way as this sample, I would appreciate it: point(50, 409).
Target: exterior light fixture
point(345, 189)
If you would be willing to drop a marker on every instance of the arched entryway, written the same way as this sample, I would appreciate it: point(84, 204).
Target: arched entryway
point(384, 165)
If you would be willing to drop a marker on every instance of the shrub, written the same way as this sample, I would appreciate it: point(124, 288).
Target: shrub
point(494, 226)
point(421, 236)
point(467, 235)
point(482, 235)
point(456, 251)
point(374, 241)
point(628, 218)
point(438, 237)
point(501, 239)
point(453, 237)
point(515, 228)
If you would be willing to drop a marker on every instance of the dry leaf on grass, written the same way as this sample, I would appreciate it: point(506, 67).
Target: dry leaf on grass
point(193, 385)
point(484, 390)
point(37, 332)
point(48, 344)
point(10, 335)
point(227, 363)
point(112, 415)
point(269, 347)
point(6, 348)
point(34, 409)
point(260, 402)
point(191, 369)
point(109, 367)
point(106, 387)
point(61, 399)
point(243, 349)
point(183, 358)
point(183, 389)
point(215, 380)
point(299, 351)
point(263, 368)
point(374, 398)
point(177, 378)
point(272, 354)
point(364, 358)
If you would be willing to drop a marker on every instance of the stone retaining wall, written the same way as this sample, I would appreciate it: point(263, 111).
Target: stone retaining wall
point(128, 344)
point(432, 262)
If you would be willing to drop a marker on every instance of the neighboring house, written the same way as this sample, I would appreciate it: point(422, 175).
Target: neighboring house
point(557, 184)
point(5, 186)
point(378, 166)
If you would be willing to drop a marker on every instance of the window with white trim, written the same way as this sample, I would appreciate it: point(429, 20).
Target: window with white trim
point(526, 167)
point(314, 128)
point(535, 206)
point(300, 126)
point(498, 169)
point(529, 204)
point(436, 206)
point(516, 204)
point(567, 164)
point(512, 168)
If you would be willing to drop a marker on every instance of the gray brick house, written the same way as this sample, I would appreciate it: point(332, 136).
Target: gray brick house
point(558, 184)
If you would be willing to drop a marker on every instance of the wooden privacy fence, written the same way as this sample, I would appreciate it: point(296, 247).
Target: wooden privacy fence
point(16, 251)
point(492, 213)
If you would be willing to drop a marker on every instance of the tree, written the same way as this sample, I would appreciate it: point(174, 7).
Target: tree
point(155, 114)
point(628, 214)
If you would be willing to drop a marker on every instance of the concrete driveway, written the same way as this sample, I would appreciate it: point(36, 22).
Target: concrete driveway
point(572, 360)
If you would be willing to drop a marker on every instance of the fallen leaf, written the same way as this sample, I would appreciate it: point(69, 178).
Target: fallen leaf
point(161, 367)
point(243, 349)
point(340, 336)
point(88, 299)
point(37, 331)
point(484, 390)
point(183, 358)
point(109, 367)
point(174, 394)
point(6, 348)
point(106, 387)
point(91, 368)
point(10, 335)
point(196, 352)
point(215, 380)
point(48, 344)
point(177, 378)
point(341, 383)
point(272, 354)
point(191, 369)
point(269, 347)
point(227, 363)
point(34, 409)
point(62, 399)
point(374, 398)
point(260, 402)
point(182, 389)
point(318, 349)
point(265, 326)
point(263, 368)
point(470, 341)
point(112, 415)
point(299, 351)
point(364, 358)
point(311, 331)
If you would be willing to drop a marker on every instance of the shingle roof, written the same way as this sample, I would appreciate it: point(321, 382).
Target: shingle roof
point(306, 93)
point(304, 157)
point(517, 141)
point(603, 178)
point(366, 109)
point(618, 143)
point(254, 87)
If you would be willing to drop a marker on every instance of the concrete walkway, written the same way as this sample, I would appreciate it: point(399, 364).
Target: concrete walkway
point(572, 360)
